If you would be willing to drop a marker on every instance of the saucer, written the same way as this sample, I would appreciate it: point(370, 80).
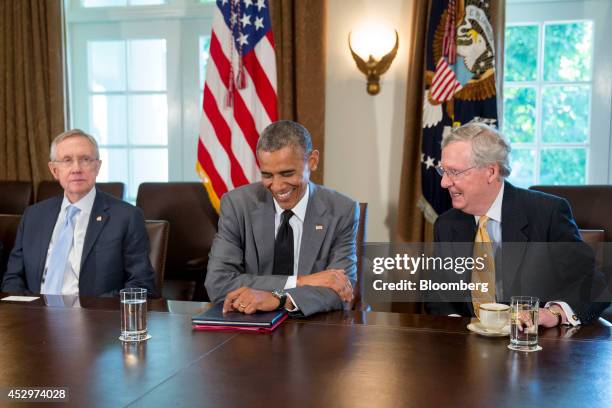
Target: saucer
point(478, 328)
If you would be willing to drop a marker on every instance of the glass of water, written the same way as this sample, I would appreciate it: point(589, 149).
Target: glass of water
point(524, 314)
point(133, 314)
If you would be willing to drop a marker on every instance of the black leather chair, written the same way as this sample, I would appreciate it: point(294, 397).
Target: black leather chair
point(193, 225)
point(15, 196)
point(157, 230)
point(9, 223)
point(358, 302)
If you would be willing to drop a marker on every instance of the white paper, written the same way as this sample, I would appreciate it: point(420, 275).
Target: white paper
point(20, 298)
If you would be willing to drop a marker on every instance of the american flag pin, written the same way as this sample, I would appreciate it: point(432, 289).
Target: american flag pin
point(318, 227)
point(99, 218)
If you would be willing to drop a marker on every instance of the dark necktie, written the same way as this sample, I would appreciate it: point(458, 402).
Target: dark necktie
point(283, 246)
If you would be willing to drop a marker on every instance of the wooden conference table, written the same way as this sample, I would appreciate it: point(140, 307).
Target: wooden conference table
point(350, 359)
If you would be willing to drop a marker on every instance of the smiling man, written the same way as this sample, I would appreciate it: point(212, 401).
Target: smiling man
point(284, 241)
point(83, 242)
point(511, 223)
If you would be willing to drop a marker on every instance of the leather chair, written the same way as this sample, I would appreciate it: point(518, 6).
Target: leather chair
point(157, 230)
point(47, 189)
point(193, 225)
point(358, 301)
point(9, 223)
point(15, 196)
point(591, 210)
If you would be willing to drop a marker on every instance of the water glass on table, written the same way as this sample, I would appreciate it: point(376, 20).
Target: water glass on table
point(133, 314)
point(524, 314)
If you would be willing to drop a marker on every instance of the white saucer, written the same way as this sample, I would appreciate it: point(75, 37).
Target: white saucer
point(478, 328)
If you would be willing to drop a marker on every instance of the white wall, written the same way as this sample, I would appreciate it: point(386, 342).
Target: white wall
point(363, 133)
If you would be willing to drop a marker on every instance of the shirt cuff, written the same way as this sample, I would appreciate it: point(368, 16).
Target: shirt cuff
point(296, 308)
point(291, 283)
point(569, 312)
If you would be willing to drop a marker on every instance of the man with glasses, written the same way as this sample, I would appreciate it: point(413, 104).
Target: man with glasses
point(503, 225)
point(84, 242)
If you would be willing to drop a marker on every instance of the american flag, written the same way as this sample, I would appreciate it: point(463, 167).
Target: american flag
point(239, 95)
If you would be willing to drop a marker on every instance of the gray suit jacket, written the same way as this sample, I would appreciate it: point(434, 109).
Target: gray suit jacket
point(243, 250)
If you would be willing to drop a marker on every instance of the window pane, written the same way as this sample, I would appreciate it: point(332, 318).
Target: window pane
point(103, 3)
point(519, 114)
point(147, 165)
point(145, 2)
point(565, 113)
point(114, 165)
point(520, 61)
point(148, 120)
point(563, 166)
point(568, 51)
point(147, 65)
point(108, 119)
point(204, 55)
point(522, 162)
point(106, 62)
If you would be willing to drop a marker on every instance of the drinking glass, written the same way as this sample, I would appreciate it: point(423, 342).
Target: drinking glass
point(133, 314)
point(524, 312)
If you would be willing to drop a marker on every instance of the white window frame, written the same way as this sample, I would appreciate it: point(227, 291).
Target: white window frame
point(599, 170)
point(180, 23)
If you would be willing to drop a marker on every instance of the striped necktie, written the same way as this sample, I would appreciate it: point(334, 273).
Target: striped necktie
point(54, 279)
point(483, 248)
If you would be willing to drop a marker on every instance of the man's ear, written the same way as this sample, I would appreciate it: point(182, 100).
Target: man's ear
point(493, 172)
point(313, 160)
point(54, 171)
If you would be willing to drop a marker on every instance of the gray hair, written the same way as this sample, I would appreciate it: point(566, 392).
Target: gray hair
point(488, 145)
point(285, 133)
point(73, 133)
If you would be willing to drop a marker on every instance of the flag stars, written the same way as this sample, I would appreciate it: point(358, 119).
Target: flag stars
point(243, 39)
point(245, 20)
point(260, 4)
point(248, 3)
point(258, 23)
point(430, 162)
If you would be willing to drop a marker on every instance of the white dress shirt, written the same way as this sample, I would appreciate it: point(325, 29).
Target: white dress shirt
point(73, 266)
point(494, 228)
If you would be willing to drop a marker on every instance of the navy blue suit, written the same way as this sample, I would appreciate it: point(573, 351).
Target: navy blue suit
point(115, 251)
point(560, 271)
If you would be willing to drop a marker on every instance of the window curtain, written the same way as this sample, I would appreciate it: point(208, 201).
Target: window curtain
point(31, 86)
point(299, 35)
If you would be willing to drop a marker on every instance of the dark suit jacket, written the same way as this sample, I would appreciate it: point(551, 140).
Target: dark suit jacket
point(243, 250)
point(115, 251)
point(528, 263)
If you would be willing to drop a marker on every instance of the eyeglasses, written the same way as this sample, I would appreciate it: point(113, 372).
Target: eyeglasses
point(85, 162)
point(451, 173)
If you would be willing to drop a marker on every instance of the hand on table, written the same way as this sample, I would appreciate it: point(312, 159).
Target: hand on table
point(248, 301)
point(335, 279)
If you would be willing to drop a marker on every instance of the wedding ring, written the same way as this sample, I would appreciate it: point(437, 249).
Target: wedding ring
point(242, 306)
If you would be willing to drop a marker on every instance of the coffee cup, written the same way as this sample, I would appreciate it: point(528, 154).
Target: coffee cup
point(494, 316)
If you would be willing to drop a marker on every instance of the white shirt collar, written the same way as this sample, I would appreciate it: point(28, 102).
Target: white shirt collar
point(300, 208)
point(85, 204)
point(495, 211)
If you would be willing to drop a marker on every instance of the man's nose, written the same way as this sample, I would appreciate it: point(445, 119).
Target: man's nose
point(446, 181)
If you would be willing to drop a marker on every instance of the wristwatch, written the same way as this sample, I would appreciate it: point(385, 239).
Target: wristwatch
point(281, 295)
point(556, 313)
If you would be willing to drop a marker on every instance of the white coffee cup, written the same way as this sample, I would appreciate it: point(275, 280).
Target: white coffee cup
point(494, 316)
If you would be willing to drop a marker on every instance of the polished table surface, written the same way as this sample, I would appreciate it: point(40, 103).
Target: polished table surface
point(335, 359)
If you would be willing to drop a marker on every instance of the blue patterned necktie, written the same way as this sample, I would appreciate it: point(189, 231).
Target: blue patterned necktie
point(54, 280)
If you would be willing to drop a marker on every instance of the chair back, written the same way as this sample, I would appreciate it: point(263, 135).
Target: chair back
point(15, 196)
point(358, 301)
point(193, 221)
point(157, 230)
point(9, 223)
point(47, 189)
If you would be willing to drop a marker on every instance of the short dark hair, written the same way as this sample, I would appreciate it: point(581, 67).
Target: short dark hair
point(285, 133)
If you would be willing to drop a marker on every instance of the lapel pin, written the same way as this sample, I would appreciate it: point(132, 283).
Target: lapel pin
point(99, 218)
point(319, 227)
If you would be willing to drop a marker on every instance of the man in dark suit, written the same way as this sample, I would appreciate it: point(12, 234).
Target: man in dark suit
point(284, 241)
point(83, 242)
point(538, 250)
